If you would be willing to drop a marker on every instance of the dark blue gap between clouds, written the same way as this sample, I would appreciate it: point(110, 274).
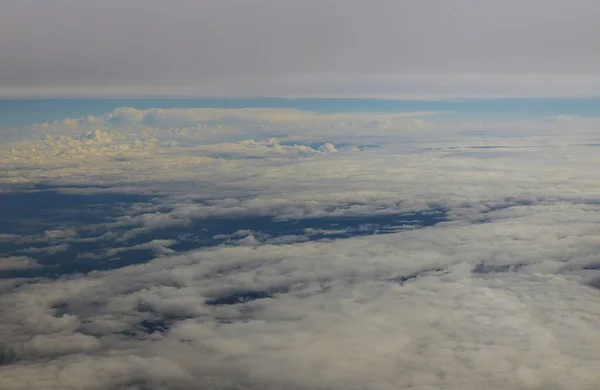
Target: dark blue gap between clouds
point(33, 212)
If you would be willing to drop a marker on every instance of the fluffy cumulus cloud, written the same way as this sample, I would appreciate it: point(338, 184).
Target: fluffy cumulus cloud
point(383, 252)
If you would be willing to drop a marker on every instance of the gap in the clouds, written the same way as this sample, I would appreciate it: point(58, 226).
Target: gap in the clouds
point(8, 355)
point(152, 321)
point(214, 232)
point(241, 297)
point(265, 229)
point(592, 266)
point(32, 211)
point(69, 233)
point(494, 147)
point(483, 268)
point(595, 283)
point(159, 325)
point(337, 145)
point(411, 276)
point(56, 228)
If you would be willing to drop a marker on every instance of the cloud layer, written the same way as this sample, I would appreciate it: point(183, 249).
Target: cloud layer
point(266, 47)
point(286, 249)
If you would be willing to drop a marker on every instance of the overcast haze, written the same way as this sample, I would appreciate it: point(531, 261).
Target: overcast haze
point(258, 47)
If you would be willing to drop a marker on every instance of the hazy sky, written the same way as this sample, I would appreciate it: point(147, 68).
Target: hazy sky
point(309, 47)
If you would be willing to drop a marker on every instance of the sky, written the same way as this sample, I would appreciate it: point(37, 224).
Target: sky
point(408, 48)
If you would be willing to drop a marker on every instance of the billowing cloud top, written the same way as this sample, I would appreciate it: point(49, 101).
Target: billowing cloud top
point(309, 47)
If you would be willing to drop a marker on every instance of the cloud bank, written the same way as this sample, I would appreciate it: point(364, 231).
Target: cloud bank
point(477, 267)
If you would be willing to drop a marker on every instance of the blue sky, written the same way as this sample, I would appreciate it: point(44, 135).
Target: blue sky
point(27, 112)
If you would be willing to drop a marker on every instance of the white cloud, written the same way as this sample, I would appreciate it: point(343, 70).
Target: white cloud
point(16, 263)
point(503, 295)
point(380, 311)
point(46, 249)
point(57, 234)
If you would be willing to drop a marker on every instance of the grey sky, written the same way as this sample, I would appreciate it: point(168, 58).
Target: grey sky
point(310, 47)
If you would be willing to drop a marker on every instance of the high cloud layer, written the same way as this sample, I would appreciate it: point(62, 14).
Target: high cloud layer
point(399, 48)
point(287, 249)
